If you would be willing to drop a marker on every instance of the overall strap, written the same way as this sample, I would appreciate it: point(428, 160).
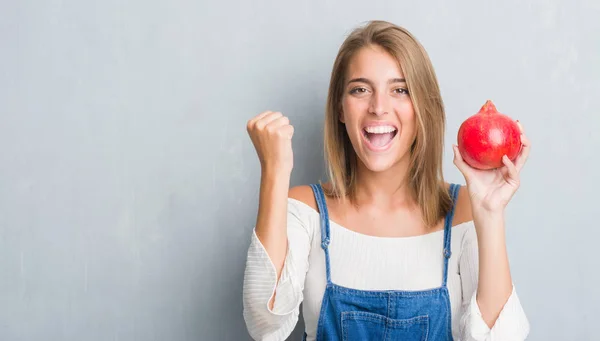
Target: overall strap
point(322, 206)
point(454, 188)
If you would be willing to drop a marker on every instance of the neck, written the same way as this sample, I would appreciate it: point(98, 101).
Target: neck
point(384, 189)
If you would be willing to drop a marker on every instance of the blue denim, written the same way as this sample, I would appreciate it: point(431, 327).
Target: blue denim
point(351, 314)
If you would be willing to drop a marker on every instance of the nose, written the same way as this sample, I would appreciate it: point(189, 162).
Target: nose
point(379, 104)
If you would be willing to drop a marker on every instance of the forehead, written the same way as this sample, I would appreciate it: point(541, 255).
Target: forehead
point(375, 63)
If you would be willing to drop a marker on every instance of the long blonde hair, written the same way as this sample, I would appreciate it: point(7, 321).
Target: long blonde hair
point(426, 179)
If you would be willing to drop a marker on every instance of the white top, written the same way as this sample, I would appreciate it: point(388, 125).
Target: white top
point(367, 263)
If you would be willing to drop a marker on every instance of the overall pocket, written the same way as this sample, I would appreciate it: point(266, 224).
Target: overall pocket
point(363, 326)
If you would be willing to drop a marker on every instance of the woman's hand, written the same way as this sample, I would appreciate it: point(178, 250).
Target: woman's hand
point(271, 133)
point(491, 190)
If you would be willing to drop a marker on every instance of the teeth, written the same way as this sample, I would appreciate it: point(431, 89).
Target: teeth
point(380, 129)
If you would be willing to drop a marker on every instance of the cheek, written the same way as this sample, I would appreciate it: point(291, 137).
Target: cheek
point(411, 121)
point(351, 110)
point(408, 117)
point(346, 110)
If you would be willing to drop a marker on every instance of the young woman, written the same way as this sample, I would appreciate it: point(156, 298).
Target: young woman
point(387, 250)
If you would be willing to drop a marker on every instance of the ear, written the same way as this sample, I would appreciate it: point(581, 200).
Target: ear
point(341, 117)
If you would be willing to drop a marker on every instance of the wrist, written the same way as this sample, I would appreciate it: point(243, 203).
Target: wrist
point(273, 177)
point(482, 213)
point(276, 171)
point(489, 224)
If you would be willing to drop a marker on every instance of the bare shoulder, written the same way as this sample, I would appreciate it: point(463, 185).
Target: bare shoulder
point(462, 213)
point(304, 194)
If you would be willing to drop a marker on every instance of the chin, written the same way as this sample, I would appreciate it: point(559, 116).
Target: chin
point(379, 163)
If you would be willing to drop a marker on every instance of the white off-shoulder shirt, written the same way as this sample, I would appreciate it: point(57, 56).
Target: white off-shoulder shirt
point(367, 263)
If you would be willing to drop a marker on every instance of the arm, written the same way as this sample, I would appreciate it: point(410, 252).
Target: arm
point(278, 254)
point(272, 219)
point(510, 323)
point(271, 135)
point(268, 317)
point(495, 282)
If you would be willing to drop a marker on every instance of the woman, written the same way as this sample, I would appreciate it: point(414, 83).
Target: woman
point(386, 250)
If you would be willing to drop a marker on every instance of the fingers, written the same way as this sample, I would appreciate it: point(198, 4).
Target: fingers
point(261, 120)
point(267, 119)
point(262, 115)
point(277, 122)
point(287, 131)
point(273, 122)
point(253, 120)
point(525, 148)
point(512, 172)
point(460, 163)
point(280, 126)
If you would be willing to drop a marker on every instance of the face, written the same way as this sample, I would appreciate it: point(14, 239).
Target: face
point(377, 110)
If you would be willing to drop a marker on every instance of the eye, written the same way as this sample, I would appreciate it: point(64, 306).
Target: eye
point(358, 90)
point(401, 91)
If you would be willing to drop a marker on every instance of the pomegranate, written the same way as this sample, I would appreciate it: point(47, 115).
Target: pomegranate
point(484, 138)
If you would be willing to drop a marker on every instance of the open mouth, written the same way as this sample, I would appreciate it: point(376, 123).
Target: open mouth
point(379, 137)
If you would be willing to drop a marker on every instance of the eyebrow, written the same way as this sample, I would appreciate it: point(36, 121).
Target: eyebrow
point(364, 80)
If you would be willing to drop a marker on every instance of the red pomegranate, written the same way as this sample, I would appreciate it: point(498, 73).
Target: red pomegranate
point(487, 136)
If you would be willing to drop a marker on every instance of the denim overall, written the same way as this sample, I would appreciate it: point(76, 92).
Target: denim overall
point(351, 314)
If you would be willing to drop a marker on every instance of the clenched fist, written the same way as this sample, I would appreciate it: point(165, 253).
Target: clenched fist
point(271, 134)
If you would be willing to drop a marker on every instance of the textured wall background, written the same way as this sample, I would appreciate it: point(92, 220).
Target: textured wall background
point(128, 185)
